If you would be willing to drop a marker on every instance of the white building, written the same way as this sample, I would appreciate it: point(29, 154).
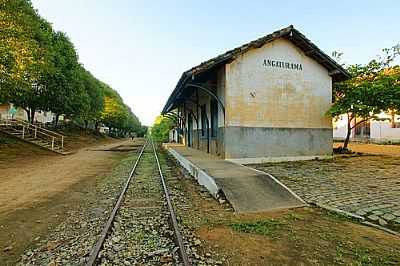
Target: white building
point(40, 116)
point(380, 130)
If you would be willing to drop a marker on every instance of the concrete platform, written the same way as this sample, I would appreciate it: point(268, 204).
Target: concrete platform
point(247, 189)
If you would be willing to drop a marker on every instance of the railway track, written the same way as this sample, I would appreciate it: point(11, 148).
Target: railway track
point(142, 217)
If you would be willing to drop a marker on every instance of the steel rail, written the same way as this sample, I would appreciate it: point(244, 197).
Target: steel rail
point(178, 236)
point(95, 251)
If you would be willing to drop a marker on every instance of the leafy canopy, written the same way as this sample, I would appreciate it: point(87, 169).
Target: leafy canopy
point(161, 127)
point(40, 70)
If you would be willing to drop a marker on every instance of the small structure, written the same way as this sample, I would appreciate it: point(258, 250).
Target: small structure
point(173, 135)
point(9, 111)
point(104, 130)
point(263, 101)
point(384, 129)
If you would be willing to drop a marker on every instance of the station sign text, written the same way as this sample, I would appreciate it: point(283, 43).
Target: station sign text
point(282, 64)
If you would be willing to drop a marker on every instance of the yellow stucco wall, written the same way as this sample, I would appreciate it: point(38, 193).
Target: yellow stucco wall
point(257, 95)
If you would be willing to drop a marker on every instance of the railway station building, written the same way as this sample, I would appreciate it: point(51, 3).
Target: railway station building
point(263, 101)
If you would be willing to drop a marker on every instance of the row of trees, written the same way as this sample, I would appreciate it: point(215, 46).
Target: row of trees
point(40, 70)
point(161, 127)
point(373, 88)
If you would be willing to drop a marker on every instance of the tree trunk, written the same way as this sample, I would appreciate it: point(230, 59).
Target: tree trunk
point(346, 141)
point(32, 115)
point(57, 119)
point(28, 114)
point(392, 113)
point(86, 124)
point(96, 126)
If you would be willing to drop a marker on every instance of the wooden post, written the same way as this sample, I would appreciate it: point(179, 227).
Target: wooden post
point(198, 119)
point(23, 132)
point(184, 124)
point(52, 144)
point(35, 131)
point(62, 142)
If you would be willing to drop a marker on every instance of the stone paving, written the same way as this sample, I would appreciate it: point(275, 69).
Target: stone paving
point(367, 185)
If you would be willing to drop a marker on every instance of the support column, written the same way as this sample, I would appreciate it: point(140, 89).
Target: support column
point(198, 118)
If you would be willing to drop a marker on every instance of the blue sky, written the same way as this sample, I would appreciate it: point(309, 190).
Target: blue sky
point(141, 48)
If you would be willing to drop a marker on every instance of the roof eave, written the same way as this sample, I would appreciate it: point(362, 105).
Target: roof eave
point(328, 62)
point(336, 71)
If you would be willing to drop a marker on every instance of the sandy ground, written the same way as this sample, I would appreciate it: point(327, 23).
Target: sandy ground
point(391, 150)
point(28, 184)
point(39, 188)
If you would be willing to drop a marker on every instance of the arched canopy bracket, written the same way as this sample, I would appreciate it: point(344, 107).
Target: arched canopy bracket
point(174, 116)
point(209, 92)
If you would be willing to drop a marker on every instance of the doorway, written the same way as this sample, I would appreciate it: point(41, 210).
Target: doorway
point(190, 130)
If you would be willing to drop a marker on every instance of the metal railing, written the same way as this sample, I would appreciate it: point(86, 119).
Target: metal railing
point(37, 132)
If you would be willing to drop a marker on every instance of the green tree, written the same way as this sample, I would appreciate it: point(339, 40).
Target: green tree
point(116, 115)
point(17, 19)
point(39, 70)
point(25, 38)
point(369, 92)
point(161, 127)
point(63, 83)
point(91, 111)
point(388, 81)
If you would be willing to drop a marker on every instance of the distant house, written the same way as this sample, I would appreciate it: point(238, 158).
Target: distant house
point(104, 130)
point(265, 100)
point(385, 129)
point(6, 112)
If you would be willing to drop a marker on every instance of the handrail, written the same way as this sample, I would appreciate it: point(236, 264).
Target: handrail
point(34, 126)
point(37, 130)
point(52, 132)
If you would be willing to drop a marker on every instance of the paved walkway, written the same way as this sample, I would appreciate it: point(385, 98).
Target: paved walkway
point(365, 185)
point(246, 189)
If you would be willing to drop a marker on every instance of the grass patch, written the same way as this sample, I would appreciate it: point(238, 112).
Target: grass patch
point(338, 217)
point(264, 227)
point(293, 217)
point(4, 139)
point(362, 256)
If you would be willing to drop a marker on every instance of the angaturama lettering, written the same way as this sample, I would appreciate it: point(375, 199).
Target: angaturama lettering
point(282, 64)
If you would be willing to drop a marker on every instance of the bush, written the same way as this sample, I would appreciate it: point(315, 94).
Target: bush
point(161, 128)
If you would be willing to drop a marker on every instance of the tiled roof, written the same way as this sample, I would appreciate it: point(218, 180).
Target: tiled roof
point(337, 72)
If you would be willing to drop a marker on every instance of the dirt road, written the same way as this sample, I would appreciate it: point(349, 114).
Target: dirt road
point(377, 149)
point(25, 185)
point(37, 193)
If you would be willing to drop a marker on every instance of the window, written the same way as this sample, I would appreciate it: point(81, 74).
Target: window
point(203, 120)
point(214, 118)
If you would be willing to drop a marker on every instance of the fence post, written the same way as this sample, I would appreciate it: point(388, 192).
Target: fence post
point(52, 144)
point(23, 132)
point(35, 131)
point(62, 142)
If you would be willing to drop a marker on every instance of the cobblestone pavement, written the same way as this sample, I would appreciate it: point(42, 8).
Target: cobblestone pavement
point(368, 185)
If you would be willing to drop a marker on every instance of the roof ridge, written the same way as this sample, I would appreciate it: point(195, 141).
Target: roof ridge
point(244, 47)
point(292, 34)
